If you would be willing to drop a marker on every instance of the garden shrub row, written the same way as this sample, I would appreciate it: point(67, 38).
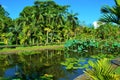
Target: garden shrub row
point(92, 46)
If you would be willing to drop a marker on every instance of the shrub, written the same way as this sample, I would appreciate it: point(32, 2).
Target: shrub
point(102, 70)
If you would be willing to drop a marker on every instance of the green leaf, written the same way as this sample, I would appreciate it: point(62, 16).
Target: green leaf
point(117, 2)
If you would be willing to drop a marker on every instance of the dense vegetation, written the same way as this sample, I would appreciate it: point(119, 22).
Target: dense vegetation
point(46, 22)
point(102, 70)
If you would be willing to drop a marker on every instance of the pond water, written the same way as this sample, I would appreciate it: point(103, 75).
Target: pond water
point(32, 66)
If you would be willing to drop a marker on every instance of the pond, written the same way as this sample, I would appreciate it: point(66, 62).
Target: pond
point(31, 66)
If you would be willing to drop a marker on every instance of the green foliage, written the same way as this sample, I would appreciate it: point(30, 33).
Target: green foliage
point(46, 77)
point(102, 55)
point(3, 78)
point(42, 23)
point(102, 70)
point(16, 79)
point(45, 22)
point(2, 57)
point(71, 63)
point(27, 53)
point(93, 46)
point(81, 45)
point(5, 24)
point(107, 31)
point(2, 43)
point(111, 14)
point(117, 70)
point(2, 11)
point(48, 22)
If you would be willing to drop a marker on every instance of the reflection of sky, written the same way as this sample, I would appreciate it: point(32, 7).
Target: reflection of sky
point(10, 72)
point(75, 73)
point(69, 75)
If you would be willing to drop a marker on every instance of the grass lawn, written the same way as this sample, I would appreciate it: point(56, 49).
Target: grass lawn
point(33, 48)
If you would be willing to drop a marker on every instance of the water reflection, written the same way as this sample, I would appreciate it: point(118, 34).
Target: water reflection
point(32, 66)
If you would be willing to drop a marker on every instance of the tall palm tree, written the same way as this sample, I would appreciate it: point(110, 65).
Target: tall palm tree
point(111, 14)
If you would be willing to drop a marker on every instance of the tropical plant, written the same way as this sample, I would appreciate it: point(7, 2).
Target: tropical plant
point(5, 24)
point(105, 31)
point(46, 77)
point(45, 22)
point(111, 14)
point(81, 45)
point(71, 63)
point(93, 46)
point(102, 70)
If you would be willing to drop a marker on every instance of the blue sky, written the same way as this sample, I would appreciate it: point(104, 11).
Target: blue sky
point(88, 10)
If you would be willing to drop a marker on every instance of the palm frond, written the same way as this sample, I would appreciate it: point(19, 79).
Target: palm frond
point(105, 9)
point(109, 18)
point(111, 14)
point(102, 70)
point(117, 2)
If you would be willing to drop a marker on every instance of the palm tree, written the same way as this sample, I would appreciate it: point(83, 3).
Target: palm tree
point(45, 22)
point(5, 24)
point(111, 14)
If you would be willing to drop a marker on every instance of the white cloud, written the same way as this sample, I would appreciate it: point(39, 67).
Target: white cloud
point(97, 24)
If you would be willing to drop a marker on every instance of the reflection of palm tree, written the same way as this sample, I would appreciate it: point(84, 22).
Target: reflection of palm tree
point(111, 14)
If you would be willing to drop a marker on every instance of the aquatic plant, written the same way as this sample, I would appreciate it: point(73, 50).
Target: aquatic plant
point(71, 63)
point(92, 46)
point(46, 77)
point(81, 45)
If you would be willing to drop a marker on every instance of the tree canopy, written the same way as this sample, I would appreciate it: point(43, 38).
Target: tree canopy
point(43, 22)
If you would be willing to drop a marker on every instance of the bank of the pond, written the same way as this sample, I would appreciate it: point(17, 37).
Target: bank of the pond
point(32, 48)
